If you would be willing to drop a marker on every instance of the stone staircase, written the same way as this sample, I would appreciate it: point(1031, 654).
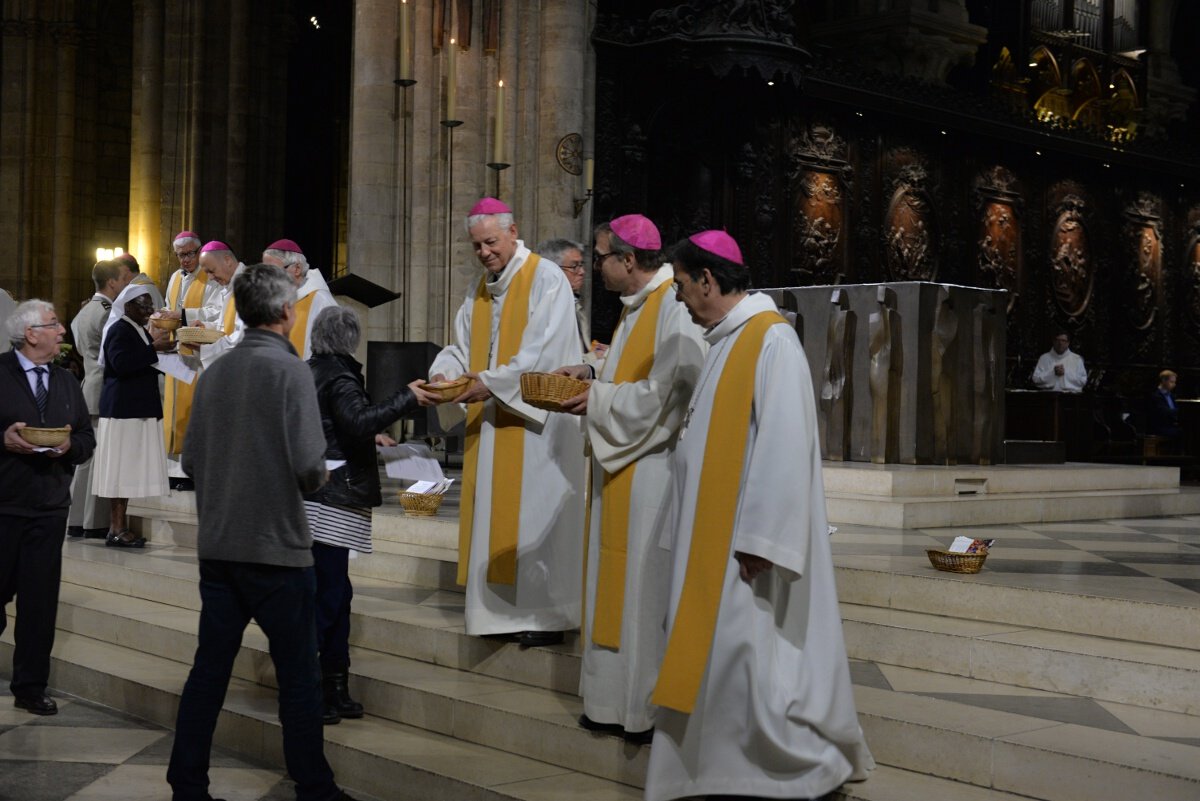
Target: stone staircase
point(966, 691)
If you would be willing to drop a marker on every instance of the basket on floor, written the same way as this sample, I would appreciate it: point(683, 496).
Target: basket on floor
point(194, 335)
point(44, 437)
point(415, 503)
point(956, 562)
point(548, 390)
point(448, 390)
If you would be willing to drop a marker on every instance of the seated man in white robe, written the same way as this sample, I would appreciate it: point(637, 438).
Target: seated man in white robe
point(1060, 369)
point(312, 293)
point(754, 690)
point(521, 518)
point(633, 411)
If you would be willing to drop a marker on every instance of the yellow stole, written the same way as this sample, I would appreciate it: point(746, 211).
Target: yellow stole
point(637, 357)
point(695, 621)
point(508, 454)
point(178, 394)
point(300, 327)
point(229, 321)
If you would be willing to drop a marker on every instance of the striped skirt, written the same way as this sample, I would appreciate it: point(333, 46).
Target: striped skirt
point(340, 526)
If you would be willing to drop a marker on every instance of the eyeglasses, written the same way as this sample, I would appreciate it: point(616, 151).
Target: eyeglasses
point(598, 257)
point(575, 266)
point(55, 324)
point(187, 254)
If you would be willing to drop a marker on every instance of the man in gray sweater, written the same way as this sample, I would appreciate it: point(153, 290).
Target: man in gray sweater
point(254, 544)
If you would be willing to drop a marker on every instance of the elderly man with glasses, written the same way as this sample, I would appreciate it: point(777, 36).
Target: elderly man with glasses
point(35, 491)
point(568, 255)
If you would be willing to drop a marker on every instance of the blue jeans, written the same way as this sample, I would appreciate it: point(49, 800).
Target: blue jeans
point(334, 593)
point(280, 600)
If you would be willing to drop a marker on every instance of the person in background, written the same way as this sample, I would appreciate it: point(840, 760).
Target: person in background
point(1059, 369)
point(312, 292)
point(1162, 415)
point(130, 459)
point(35, 491)
point(140, 278)
point(568, 255)
point(339, 513)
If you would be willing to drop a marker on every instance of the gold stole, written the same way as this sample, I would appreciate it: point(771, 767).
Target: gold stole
point(637, 357)
point(695, 621)
point(178, 407)
point(300, 327)
point(229, 321)
point(508, 448)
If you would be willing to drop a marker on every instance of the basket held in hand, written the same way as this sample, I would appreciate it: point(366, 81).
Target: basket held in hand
point(548, 390)
point(194, 335)
point(44, 437)
point(448, 390)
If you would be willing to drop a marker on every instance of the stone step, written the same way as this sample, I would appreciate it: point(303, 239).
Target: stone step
point(982, 746)
point(928, 481)
point(373, 754)
point(1155, 676)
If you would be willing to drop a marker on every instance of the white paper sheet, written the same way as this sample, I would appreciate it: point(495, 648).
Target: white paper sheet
point(334, 464)
point(173, 365)
point(411, 461)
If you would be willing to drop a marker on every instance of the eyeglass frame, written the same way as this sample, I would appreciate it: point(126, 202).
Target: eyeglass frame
point(598, 257)
point(187, 254)
point(577, 267)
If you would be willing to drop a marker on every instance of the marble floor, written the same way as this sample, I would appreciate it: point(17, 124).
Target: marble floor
point(89, 752)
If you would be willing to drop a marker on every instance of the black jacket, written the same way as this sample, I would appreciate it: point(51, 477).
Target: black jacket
point(130, 380)
point(351, 423)
point(38, 484)
point(1161, 419)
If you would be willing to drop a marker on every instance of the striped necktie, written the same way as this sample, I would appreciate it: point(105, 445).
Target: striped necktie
point(41, 395)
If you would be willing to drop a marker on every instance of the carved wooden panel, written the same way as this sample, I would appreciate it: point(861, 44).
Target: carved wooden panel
point(998, 205)
point(821, 178)
point(1191, 264)
point(1072, 272)
point(1144, 233)
point(909, 227)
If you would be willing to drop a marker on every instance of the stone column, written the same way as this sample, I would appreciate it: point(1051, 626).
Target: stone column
point(62, 255)
point(16, 142)
point(1168, 96)
point(235, 143)
point(145, 138)
point(558, 99)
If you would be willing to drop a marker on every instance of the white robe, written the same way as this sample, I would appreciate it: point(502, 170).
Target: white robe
point(315, 285)
point(211, 290)
point(636, 422)
point(547, 592)
point(1073, 379)
point(775, 715)
point(214, 317)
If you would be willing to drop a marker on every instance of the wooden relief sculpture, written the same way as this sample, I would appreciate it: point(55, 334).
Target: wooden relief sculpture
point(985, 325)
point(837, 396)
point(998, 202)
point(942, 375)
point(886, 371)
point(1145, 279)
point(1071, 257)
point(1191, 260)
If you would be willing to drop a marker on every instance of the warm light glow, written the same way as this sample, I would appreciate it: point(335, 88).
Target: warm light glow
point(104, 254)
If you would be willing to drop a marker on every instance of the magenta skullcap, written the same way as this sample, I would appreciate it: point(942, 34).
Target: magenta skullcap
point(718, 243)
point(215, 244)
point(489, 205)
point(638, 231)
point(286, 245)
point(186, 235)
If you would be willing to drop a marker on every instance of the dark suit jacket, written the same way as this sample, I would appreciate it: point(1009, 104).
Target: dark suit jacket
point(130, 380)
point(38, 484)
point(1161, 419)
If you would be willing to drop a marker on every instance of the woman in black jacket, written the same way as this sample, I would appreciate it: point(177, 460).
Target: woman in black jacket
point(339, 513)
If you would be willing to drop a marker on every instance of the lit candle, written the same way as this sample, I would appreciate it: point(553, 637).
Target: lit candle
point(589, 168)
point(498, 145)
point(452, 82)
point(405, 22)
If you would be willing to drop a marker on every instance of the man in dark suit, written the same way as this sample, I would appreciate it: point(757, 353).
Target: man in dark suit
point(1162, 415)
point(35, 491)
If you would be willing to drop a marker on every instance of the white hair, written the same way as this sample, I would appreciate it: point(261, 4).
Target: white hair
point(183, 240)
point(26, 314)
point(288, 257)
point(503, 220)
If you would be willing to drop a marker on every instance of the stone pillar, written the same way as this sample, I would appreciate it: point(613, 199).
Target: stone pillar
point(235, 143)
point(1168, 96)
point(62, 254)
point(16, 132)
point(145, 139)
point(558, 101)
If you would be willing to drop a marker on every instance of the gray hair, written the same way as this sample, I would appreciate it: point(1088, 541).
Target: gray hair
point(260, 292)
point(26, 314)
point(336, 331)
point(503, 220)
point(556, 249)
point(183, 240)
point(647, 260)
point(289, 257)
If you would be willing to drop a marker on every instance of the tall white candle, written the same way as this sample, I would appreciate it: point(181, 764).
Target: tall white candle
point(589, 166)
point(452, 82)
point(498, 144)
point(405, 53)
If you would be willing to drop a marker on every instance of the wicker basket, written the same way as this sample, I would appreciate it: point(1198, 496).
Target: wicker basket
point(44, 437)
point(415, 503)
point(956, 562)
point(194, 335)
point(548, 391)
point(166, 323)
point(448, 390)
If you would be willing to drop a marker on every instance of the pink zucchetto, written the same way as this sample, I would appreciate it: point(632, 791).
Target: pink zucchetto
point(186, 235)
point(718, 243)
point(489, 205)
point(637, 231)
point(286, 245)
point(215, 244)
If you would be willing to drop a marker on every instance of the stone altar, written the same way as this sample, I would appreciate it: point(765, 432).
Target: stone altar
point(904, 373)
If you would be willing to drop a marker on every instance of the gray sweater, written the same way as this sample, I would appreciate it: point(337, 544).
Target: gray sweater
point(254, 445)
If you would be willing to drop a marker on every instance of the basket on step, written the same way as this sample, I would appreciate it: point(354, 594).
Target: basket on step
point(956, 562)
point(448, 390)
point(548, 391)
point(44, 437)
point(194, 335)
point(418, 504)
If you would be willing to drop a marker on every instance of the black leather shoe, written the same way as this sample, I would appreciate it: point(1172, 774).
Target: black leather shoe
point(74, 531)
point(639, 737)
point(532, 639)
point(182, 484)
point(124, 539)
point(336, 689)
point(600, 728)
point(37, 704)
